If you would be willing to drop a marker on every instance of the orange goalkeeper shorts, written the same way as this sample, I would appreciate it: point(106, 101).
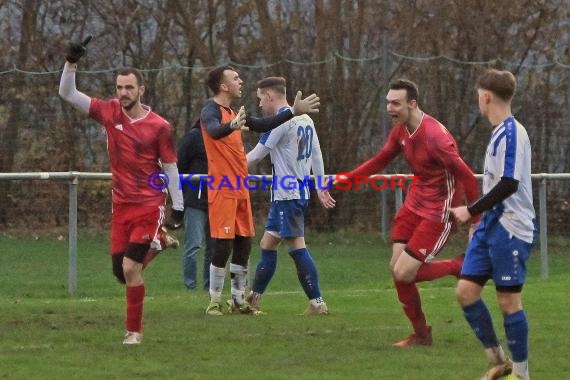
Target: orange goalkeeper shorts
point(229, 216)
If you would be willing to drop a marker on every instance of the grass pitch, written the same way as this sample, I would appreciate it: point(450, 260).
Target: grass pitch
point(46, 334)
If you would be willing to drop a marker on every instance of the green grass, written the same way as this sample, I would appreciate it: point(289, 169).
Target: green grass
point(46, 334)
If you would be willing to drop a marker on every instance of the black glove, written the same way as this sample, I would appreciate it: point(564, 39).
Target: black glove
point(175, 220)
point(77, 50)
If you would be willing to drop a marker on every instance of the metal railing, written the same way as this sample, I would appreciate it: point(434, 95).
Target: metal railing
point(74, 177)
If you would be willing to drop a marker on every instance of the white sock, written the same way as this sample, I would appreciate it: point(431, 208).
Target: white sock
point(217, 276)
point(521, 369)
point(239, 281)
point(317, 301)
point(495, 355)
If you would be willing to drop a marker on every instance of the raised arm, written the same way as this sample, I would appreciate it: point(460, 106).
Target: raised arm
point(265, 124)
point(301, 106)
point(69, 92)
point(67, 88)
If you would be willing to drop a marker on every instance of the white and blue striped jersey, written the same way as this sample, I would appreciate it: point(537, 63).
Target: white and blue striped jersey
point(294, 150)
point(508, 155)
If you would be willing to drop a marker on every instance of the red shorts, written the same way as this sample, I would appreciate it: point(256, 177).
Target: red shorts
point(229, 216)
point(424, 238)
point(134, 224)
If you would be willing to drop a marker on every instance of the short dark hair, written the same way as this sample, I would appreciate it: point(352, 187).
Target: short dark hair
point(215, 77)
point(131, 70)
point(278, 84)
point(501, 83)
point(412, 92)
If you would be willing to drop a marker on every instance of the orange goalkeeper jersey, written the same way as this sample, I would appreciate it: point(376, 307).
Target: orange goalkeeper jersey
point(227, 162)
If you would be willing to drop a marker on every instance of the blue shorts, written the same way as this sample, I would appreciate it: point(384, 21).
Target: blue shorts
point(494, 253)
point(287, 218)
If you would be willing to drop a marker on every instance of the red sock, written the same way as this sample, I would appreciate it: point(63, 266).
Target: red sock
point(409, 297)
point(436, 269)
point(135, 298)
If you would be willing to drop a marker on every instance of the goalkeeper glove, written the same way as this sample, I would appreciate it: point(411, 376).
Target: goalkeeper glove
point(239, 121)
point(77, 50)
point(308, 105)
point(176, 220)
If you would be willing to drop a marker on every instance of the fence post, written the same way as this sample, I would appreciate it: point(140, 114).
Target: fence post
point(543, 228)
point(398, 194)
point(72, 267)
point(384, 216)
point(386, 64)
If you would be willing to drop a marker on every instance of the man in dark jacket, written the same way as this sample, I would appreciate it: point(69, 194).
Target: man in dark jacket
point(192, 160)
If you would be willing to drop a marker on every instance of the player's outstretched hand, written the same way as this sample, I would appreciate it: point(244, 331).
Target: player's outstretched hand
point(175, 220)
point(77, 50)
point(308, 105)
point(326, 200)
point(239, 121)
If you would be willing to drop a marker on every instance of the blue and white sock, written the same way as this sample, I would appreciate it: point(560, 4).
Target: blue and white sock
point(306, 272)
point(479, 318)
point(265, 270)
point(516, 331)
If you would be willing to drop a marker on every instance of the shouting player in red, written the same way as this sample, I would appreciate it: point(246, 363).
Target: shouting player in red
point(140, 144)
point(422, 226)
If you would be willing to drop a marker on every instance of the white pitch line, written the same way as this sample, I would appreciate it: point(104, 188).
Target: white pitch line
point(351, 291)
point(348, 292)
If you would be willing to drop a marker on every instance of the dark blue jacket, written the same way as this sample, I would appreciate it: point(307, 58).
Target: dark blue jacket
point(192, 160)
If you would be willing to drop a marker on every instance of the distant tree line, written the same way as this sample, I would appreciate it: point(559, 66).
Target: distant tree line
point(346, 51)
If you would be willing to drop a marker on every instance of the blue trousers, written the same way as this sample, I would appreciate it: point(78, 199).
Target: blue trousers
point(196, 231)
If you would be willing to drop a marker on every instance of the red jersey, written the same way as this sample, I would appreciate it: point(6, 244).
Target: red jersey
point(431, 153)
point(227, 162)
point(135, 148)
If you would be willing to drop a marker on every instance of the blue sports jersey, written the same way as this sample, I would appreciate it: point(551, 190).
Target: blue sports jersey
point(509, 155)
